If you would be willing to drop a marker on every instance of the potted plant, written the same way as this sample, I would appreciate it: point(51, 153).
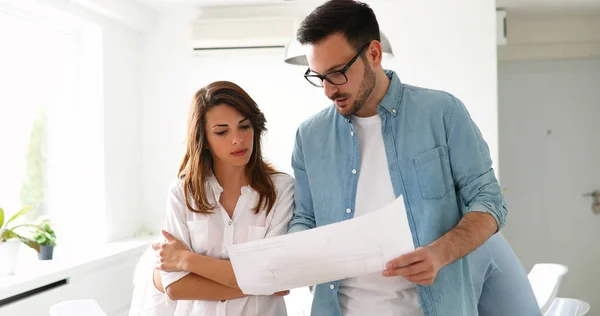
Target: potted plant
point(46, 238)
point(10, 241)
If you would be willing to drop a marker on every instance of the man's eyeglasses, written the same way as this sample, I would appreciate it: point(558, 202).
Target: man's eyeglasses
point(335, 77)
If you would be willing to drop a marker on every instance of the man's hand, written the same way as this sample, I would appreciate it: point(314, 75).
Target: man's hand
point(282, 293)
point(420, 266)
point(171, 254)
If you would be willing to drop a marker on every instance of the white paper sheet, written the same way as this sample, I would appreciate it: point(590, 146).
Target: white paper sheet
point(351, 248)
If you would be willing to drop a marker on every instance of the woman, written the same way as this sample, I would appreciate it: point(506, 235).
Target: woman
point(231, 196)
point(499, 280)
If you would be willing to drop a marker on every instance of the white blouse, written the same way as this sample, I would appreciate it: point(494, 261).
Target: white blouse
point(210, 234)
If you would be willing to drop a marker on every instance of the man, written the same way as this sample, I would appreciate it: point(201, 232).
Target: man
point(383, 139)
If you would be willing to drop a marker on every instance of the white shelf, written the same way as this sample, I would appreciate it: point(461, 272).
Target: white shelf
point(33, 273)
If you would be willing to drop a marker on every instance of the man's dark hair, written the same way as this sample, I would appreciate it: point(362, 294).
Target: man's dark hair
point(355, 20)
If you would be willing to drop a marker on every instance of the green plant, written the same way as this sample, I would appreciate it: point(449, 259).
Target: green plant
point(9, 232)
point(45, 235)
point(33, 190)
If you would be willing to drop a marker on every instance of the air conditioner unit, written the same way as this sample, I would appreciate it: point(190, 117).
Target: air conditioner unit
point(501, 39)
point(242, 33)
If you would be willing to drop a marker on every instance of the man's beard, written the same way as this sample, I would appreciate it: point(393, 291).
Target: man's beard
point(364, 92)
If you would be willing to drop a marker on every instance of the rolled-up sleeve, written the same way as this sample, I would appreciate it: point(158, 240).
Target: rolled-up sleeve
point(176, 225)
point(471, 165)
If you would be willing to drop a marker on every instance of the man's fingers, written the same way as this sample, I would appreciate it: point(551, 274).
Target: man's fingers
point(156, 245)
point(423, 280)
point(409, 271)
point(405, 260)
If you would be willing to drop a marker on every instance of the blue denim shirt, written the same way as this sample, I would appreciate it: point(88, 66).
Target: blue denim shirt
point(437, 160)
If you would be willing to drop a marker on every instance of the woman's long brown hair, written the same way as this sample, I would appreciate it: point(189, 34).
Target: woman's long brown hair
point(198, 163)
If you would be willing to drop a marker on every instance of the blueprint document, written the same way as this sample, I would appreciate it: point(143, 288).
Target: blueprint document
point(351, 248)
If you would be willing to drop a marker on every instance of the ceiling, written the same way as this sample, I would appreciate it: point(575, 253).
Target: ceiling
point(509, 4)
point(171, 4)
point(548, 4)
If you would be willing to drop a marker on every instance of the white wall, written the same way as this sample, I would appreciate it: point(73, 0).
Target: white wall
point(439, 44)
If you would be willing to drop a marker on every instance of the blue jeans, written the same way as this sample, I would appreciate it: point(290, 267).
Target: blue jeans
point(500, 281)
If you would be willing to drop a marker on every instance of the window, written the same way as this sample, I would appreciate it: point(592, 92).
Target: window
point(51, 126)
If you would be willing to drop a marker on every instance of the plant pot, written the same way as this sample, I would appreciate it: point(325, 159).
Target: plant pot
point(45, 252)
point(9, 250)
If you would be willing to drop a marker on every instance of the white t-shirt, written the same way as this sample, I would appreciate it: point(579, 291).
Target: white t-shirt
point(375, 294)
point(210, 234)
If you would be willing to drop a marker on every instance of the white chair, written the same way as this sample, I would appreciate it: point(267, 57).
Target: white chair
point(568, 307)
point(545, 279)
point(77, 308)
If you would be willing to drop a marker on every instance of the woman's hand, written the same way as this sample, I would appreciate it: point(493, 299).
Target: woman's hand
point(171, 254)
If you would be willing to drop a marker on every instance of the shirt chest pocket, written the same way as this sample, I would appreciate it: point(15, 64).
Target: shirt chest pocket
point(199, 235)
point(256, 232)
point(434, 172)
